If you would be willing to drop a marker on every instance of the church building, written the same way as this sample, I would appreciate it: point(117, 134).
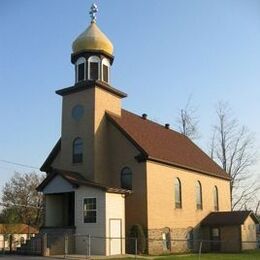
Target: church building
point(112, 169)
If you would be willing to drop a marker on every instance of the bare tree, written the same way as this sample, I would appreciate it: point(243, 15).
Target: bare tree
point(187, 121)
point(22, 200)
point(232, 147)
point(257, 208)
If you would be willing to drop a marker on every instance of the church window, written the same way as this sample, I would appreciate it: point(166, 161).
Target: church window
point(80, 69)
point(94, 64)
point(105, 73)
point(177, 187)
point(105, 70)
point(215, 198)
point(198, 195)
point(90, 210)
point(77, 150)
point(126, 178)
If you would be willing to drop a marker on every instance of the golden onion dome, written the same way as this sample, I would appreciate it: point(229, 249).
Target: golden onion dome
point(92, 39)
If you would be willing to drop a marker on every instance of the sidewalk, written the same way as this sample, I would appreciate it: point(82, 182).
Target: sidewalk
point(99, 257)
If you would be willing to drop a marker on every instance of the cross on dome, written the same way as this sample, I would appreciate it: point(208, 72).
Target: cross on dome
point(92, 12)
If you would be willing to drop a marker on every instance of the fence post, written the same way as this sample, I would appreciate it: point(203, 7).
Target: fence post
point(89, 246)
point(44, 245)
point(135, 248)
point(200, 248)
point(66, 240)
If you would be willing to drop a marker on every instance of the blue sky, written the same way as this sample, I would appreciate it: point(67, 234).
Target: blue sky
point(165, 51)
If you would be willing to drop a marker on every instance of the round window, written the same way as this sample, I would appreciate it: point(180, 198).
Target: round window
point(77, 112)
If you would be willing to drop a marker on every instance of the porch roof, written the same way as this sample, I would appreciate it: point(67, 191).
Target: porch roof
point(228, 218)
point(76, 180)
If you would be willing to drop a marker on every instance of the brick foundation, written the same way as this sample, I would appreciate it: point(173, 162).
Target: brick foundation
point(175, 241)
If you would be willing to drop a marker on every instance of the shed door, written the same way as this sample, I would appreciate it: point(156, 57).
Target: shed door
point(115, 236)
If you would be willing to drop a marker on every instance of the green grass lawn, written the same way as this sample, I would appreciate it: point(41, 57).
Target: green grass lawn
point(250, 255)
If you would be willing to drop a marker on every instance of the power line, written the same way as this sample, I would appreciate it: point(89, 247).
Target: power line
point(19, 164)
point(18, 205)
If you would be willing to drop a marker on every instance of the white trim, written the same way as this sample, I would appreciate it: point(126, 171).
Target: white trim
point(105, 62)
point(77, 63)
point(80, 60)
point(83, 210)
point(94, 59)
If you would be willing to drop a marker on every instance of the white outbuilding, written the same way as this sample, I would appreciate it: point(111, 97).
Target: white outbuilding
point(93, 214)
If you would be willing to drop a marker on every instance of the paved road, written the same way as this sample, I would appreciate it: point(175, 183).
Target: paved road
point(9, 257)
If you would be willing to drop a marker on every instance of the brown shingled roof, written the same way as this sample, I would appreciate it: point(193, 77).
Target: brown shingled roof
point(76, 179)
point(158, 143)
point(228, 218)
point(17, 229)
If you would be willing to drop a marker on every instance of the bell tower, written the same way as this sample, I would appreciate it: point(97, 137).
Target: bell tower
point(92, 53)
point(84, 146)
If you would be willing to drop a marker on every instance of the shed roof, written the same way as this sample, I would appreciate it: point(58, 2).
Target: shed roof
point(228, 218)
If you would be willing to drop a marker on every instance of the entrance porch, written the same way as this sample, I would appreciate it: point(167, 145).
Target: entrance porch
point(60, 210)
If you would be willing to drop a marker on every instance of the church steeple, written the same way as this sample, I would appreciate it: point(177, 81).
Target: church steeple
point(92, 53)
point(84, 131)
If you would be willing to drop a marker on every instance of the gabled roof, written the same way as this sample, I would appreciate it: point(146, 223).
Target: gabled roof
point(228, 218)
point(157, 143)
point(17, 229)
point(76, 180)
point(46, 167)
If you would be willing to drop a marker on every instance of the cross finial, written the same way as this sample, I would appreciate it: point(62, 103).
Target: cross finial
point(92, 12)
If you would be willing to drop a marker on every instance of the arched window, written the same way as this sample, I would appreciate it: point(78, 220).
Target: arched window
point(94, 67)
point(215, 198)
point(80, 69)
point(166, 239)
point(105, 70)
point(77, 154)
point(198, 195)
point(126, 178)
point(177, 188)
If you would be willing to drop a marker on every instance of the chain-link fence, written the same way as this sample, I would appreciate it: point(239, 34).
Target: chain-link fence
point(86, 245)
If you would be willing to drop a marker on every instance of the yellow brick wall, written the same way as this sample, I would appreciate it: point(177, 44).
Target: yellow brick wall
point(104, 101)
point(161, 202)
point(92, 128)
point(84, 128)
point(122, 154)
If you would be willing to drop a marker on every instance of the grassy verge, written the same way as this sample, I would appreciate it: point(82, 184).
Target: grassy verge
point(249, 255)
